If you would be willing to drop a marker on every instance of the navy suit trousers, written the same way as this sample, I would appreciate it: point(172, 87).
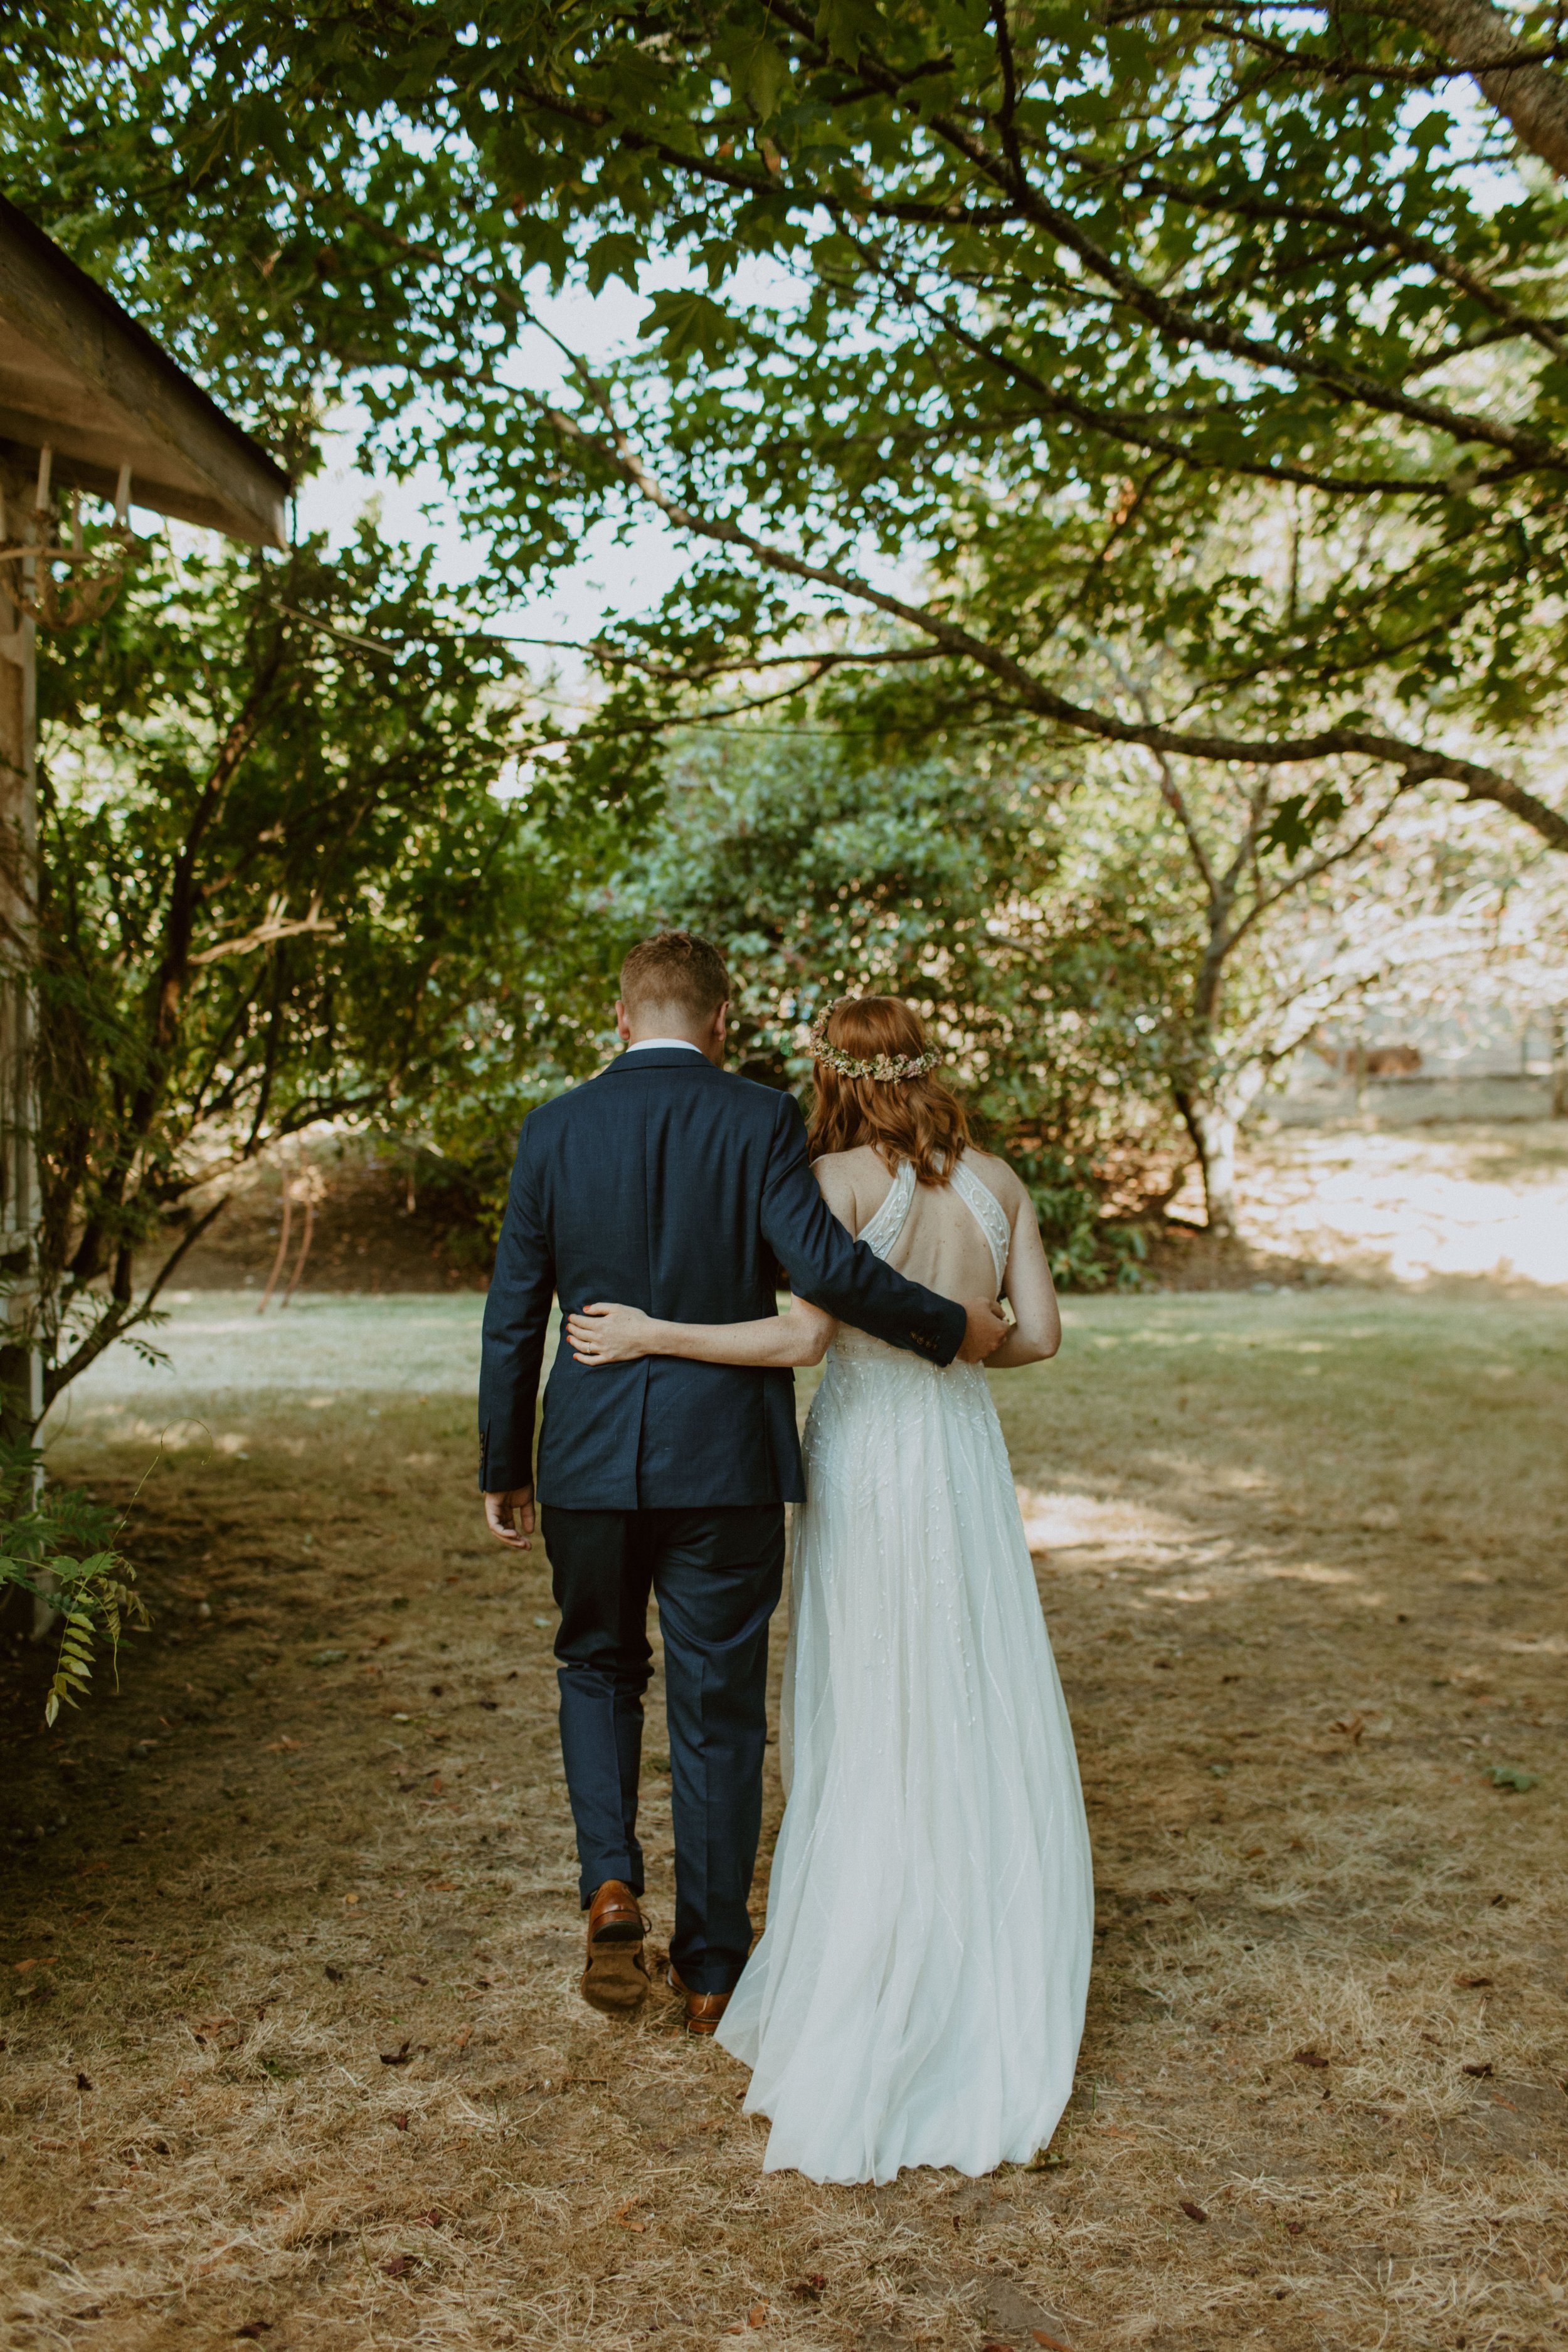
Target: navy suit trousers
point(717, 1575)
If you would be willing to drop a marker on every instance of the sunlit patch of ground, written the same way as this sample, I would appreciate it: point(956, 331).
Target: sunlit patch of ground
point(291, 1942)
point(1415, 1205)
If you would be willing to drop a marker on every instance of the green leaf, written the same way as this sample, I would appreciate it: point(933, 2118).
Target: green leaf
point(757, 72)
point(847, 26)
point(689, 323)
point(1297, 820)
point(766, 79)
point(1514, 1776)
point(615, 255)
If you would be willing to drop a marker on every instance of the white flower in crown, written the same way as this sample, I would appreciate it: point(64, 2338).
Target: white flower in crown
point(882, 1067)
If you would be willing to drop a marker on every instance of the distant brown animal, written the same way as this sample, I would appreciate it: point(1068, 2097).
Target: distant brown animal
point(1371, 1061)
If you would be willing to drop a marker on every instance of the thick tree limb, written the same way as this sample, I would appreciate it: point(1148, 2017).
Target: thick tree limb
point(1419, 763)
point(1475, 34)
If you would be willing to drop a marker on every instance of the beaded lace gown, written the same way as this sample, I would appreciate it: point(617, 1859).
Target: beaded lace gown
point(918, 1995)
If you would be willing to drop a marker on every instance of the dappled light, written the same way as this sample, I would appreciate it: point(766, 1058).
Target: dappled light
point(315, 1863)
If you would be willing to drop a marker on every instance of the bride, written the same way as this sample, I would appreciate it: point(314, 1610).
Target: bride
point(918, 1994)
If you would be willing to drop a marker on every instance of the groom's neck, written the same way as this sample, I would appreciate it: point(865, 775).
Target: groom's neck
point(637, 1028)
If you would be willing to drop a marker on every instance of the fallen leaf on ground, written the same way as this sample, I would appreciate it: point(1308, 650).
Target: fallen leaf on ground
point(1471, 1983)
point(757, 2314)
point(1481, 2070)
point(334, 1976)
point(83, 2083)
point(397, 2057)
point(1051, 2343)
point(1514, 1776)
point(809, 2290)
point(255, 2329)
point(1308, 2058)
point(1194, 2212)
point(1352, 1726)
point(400, 2123)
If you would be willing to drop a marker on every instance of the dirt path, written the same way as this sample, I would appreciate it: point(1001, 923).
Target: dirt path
point(292, 2050)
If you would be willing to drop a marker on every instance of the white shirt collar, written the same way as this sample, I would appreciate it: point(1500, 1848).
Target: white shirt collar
point(644, 1044)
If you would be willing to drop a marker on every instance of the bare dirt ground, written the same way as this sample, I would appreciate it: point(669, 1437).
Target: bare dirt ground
point(1377, 1201)
point(293, 2049)
point(380, 1226)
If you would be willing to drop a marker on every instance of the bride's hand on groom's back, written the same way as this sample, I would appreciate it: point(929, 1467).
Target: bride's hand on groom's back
point(987, 1327)
point(608, 1334)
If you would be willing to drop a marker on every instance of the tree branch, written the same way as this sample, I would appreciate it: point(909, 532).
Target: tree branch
point(1476, 35)
point(1419, 762)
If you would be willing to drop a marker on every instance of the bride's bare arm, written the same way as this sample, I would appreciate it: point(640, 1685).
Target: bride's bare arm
point(608, 1334)
point(1037, 1332)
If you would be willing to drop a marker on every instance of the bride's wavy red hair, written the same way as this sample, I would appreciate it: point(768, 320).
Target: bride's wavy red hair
point(901, 1118)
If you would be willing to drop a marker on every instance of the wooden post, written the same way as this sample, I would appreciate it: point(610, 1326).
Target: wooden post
point(21, 1370)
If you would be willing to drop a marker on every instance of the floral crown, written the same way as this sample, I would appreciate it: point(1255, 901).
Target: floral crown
point(880, 1065)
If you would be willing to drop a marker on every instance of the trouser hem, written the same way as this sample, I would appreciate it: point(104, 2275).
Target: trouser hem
point(589, 1882)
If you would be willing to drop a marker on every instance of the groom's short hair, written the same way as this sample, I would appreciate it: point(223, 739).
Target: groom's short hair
point(678, 970)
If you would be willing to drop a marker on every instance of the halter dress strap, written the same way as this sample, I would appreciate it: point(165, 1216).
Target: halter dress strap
point(882, 1229)
point(989, 1215)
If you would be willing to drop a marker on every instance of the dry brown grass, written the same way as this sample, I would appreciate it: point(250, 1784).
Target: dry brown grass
point(1302, 1562)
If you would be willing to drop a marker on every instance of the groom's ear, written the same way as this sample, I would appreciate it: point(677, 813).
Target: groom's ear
point(623, 1026)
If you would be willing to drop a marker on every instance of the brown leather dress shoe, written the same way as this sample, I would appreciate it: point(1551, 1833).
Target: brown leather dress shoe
point(703, 2009)
point(615, 1979)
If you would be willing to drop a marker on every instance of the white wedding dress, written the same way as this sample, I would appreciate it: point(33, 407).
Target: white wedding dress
point(918, 1995)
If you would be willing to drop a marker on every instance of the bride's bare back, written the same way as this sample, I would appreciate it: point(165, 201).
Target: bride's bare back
point(943, 1247)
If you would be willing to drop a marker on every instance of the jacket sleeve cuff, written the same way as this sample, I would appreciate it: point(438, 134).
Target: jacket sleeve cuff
point(954, 1325)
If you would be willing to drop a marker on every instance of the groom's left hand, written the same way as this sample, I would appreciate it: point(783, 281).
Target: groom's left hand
point(509, 1517)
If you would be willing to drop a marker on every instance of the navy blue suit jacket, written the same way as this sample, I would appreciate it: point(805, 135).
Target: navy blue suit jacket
point(675, 1187)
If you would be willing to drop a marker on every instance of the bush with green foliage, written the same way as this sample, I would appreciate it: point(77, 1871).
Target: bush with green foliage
point(277, 888)
point(959, 886)
point(61, 1548)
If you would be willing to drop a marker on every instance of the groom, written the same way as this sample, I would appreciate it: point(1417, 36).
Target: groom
point(669, 1184)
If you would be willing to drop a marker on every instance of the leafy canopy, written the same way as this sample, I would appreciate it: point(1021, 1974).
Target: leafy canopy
point(1012, 332)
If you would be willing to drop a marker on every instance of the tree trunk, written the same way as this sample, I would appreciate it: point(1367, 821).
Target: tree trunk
point(21, 1393)
point(1472, 32)
point(1212, 1128)
point(1558, 1027)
